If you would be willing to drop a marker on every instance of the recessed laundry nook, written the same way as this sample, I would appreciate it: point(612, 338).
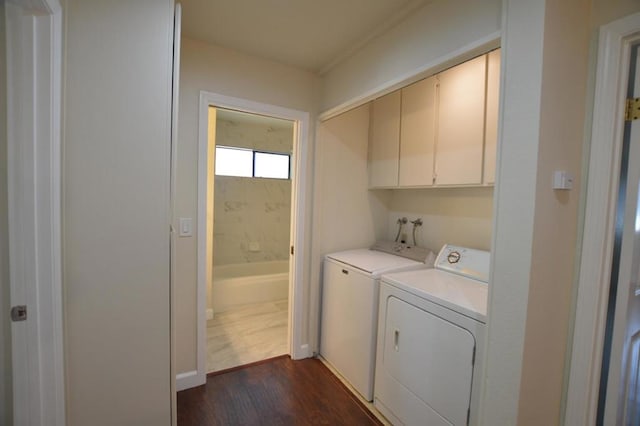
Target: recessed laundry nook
point(403, 310)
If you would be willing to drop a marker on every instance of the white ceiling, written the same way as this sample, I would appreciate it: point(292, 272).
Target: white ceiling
point(308, 34)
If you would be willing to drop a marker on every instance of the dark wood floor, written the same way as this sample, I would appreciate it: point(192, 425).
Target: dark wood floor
point(276, 392)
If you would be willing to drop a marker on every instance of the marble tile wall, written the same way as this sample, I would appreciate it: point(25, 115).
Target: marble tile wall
point(252, 210)
point(267, 134)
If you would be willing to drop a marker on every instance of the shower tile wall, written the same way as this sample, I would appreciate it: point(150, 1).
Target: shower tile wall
point(252, 209)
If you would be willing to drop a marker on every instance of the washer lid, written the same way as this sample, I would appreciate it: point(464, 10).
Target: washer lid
point(455, 292)
point(373, 262)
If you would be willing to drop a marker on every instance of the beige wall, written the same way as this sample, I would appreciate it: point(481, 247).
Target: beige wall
point(346, 214)
point(545, 53)
point(563, 99)
point(6, 401)
point(438, 29)
point(219, 70)
point(461, 216)
point(115, 211)
point(606, 11)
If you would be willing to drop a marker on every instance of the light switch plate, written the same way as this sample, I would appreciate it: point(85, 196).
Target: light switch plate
point(186, 227)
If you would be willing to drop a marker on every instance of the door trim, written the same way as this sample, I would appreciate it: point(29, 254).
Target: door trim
point(175, 95)
point(34, 103)
point(615, 41)
point(297, 348)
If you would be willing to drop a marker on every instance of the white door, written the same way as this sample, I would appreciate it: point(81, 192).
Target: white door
point(34, 54)
point(620, 387)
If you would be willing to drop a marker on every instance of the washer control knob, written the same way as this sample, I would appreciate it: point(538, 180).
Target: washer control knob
point(453, 257)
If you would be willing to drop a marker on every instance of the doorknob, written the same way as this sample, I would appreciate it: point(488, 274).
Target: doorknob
point(19, 313)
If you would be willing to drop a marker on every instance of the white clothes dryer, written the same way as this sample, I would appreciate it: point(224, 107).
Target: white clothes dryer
point(431, 333)
point(349, 314)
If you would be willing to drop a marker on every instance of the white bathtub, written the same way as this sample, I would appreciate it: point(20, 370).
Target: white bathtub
point(243, 283)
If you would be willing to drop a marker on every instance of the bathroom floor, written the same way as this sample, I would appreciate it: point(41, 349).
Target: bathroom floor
point(247, 334)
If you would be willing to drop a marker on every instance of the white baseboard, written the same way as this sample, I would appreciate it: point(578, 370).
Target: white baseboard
point(304, 351)
point(209, 314)
point(189, 379)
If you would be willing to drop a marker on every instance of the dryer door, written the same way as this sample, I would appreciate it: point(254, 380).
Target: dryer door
point(427, 366)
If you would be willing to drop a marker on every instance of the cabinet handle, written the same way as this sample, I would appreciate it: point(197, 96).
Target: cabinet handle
point(396, 339)
point(344, 271)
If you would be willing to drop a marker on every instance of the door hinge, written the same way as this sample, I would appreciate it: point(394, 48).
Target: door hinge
point(18, 313)
point(473, 357)
point(292, 250)
point(468, 415)
point(632, 109)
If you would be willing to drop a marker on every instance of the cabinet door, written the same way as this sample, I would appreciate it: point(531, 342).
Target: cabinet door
point(460, 132)
point(417, 136)
point(384, 141)
point(491, 126)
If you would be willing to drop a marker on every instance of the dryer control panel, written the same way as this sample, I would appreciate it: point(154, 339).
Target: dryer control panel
point(464, 261)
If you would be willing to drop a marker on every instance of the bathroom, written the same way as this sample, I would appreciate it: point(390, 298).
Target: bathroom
point(248, 287)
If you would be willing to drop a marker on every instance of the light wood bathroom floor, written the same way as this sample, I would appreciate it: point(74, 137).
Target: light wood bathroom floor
point(247, 334)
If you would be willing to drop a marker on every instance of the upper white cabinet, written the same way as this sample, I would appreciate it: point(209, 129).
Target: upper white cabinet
point(384, 141)
point(491, 128)
point(460, 129)
point(418, 136)
point(440, 131)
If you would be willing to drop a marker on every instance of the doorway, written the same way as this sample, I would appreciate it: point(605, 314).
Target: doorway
point(248, 231)
point(241, 246)
point(619, 395)
point(603, 384)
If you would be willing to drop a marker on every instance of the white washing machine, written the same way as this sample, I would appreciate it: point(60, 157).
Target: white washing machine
point(431, 333)
point(349, 315)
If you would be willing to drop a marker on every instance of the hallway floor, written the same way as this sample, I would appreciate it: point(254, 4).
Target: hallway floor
point(247, 334)
point(275, 392)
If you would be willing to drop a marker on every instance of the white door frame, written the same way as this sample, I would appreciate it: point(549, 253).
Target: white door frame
point(614, 48)
point(297, 348)
point(175, 96)
point(34, 81)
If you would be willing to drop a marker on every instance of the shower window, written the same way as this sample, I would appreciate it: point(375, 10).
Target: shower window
point(234, 162)
point(242, 162)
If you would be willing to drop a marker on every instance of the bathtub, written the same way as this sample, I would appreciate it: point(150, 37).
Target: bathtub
point(244, 283)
